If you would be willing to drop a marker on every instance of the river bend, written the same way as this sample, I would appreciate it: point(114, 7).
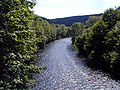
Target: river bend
point(66, 71)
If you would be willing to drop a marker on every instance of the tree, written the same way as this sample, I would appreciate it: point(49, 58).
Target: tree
point(91, 21)
point(110, 17)
point(18, 44)
point(77, 29)
point(100, 41)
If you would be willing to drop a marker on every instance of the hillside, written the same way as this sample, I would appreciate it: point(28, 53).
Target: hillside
point(68, 21)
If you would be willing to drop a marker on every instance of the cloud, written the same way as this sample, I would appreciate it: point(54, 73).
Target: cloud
point(65, 8)
point(59, 13)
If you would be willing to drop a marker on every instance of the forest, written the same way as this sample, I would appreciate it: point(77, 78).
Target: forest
point(98, 40)
point(68, 21)
point(22, 34)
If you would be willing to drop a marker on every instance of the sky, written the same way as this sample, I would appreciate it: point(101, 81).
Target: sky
point(52, 9)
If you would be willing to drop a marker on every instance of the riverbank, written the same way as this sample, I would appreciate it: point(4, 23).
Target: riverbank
point(66, 70)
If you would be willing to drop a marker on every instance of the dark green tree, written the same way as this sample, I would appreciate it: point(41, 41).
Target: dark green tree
point(18, 44)
point(100, 41)
point(77, 29)
point(91, 21)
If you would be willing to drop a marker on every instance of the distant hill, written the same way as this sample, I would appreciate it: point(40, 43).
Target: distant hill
point(68, 21)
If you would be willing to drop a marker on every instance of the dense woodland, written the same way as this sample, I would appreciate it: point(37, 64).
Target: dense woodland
point(22, 34)
point(68, 21)
point(99, 41)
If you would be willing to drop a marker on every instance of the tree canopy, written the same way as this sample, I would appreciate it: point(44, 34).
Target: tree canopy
point(99, 41)
point(22, 34)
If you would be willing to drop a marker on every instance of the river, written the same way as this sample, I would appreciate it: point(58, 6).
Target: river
point(67, 71)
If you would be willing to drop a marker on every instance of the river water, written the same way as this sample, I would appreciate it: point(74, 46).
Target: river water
point(67, 71)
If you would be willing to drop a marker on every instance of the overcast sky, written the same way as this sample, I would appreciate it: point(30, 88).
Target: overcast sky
point(64, 8)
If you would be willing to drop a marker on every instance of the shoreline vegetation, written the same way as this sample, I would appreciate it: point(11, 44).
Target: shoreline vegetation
point(22, 34)
point(99, 41)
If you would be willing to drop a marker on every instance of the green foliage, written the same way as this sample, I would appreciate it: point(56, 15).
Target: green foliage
point(22, 33)
point(110, 17)
point(18, 44)
point(91, 21)
point(100, 41)
point(61, 30)
point(112, 54)
point(96, 47)
point(44, 31)
point(77, 29)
